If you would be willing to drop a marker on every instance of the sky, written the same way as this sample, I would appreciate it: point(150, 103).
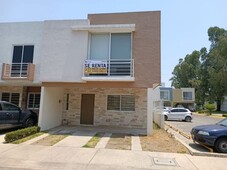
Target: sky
point(184, 24)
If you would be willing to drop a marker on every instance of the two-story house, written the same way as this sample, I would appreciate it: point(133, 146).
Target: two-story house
point(172, 97)
point(95, 71)
point(20, 55)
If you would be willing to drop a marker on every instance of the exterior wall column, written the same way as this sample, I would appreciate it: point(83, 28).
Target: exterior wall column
point(149, 111)
point(51, 105)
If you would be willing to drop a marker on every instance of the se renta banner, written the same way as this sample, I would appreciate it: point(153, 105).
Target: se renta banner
point(95, 67)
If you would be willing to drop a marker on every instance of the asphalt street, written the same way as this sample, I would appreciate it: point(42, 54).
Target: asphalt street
point(197, 120)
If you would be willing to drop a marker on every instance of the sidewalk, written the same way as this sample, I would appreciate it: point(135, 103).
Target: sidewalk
point(68, 154)
point(58, 157)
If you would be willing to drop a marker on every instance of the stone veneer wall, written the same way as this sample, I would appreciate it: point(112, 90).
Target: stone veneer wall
point(136, 119)
point(13, 89)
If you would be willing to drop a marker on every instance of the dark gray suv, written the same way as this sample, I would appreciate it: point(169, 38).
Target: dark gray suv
point(12, 116)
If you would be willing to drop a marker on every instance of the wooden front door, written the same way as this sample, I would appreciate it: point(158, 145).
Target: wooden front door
point(87, 109)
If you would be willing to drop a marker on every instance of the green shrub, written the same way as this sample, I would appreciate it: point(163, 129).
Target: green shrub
point(21, 133)
point(210, 107)
point(201, 111)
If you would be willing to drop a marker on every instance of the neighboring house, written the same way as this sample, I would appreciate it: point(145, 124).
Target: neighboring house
point(97, 71)
point(171, 97)
point(166, 96)
point(20, 55)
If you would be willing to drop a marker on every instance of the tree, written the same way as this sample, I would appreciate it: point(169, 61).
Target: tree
point(218, 66)
point(185, 74)
point(210, 107)
point(204, 70)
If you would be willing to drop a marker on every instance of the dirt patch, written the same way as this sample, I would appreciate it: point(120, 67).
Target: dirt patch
point(161, 141)
point(50, 140)
point(119, 141)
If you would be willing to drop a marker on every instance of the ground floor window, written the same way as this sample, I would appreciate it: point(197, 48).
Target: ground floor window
point(33, 100)
point(121, 102)
point(11, 97)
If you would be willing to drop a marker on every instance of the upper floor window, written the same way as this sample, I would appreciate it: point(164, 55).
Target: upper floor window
point(23, 54)
point(187, 95)
point(110, 46)
point(164, 95)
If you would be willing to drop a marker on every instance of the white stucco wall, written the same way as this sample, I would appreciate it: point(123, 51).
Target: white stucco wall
point(50, 113)
point(20, 33)
point(63, 51)
point(149, 112)
point(157, 106)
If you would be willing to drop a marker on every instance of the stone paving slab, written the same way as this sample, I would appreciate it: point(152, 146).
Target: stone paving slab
point(104, 140)
point(2, 140)
point(136, 145)
point(78, 139)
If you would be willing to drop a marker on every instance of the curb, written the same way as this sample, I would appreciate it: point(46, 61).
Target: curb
point(179, 131)
point(214, 116)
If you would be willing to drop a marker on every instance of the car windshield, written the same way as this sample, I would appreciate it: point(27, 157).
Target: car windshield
point(222, 122)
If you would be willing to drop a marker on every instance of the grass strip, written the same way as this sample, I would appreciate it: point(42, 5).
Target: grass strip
point(28, 138)
point(50, 140)
point(94, 140)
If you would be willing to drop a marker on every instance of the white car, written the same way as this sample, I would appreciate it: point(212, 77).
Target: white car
point(178, 114)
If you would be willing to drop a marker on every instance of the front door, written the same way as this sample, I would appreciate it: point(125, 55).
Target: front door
point(87, 109)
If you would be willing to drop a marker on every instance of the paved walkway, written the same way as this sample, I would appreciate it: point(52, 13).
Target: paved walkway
point(2, 140)
point(78, 139)
point(104, 140)
point(59, 157)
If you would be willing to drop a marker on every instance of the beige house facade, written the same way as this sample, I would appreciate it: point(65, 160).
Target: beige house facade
point(94, 72)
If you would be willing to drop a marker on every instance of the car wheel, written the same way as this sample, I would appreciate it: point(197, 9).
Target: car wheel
point(166, 118)
point(188, 119)
point(29, 122)
point(221, 145)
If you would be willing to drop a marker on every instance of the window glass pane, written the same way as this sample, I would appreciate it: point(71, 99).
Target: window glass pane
point(28, 54)
point(6, 97)
point(187, 95)
point(9, 107)
point(31, 100)
point(15, 97)
point(113, 102)
point(128, 103)
point(17, 54)
point(37, 101)
point(164, 95)
point(34, 100)
point(99, 49)
point(120, 46)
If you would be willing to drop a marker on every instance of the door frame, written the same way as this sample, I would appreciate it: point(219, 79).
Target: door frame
point(92, 110)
